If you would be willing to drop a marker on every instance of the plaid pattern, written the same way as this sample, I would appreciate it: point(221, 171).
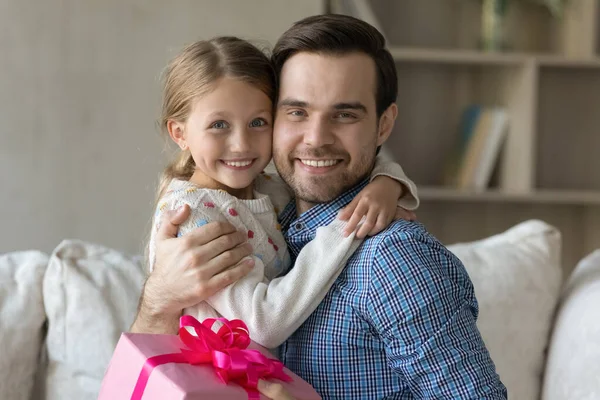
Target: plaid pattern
point(398, 323)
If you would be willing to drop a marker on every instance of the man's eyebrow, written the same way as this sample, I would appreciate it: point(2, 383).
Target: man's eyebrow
point(350, 106)
point(292, 103)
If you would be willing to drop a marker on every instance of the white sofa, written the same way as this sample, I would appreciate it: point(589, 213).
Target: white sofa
point(61, 316)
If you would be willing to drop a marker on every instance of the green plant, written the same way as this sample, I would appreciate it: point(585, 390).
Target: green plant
point(556, 7)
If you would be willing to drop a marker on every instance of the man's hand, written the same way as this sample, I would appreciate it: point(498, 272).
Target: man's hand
point(274, 391)
point(189, 269)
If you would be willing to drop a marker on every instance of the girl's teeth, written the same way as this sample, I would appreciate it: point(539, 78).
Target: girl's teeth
point(238, 163)
point(320, 163)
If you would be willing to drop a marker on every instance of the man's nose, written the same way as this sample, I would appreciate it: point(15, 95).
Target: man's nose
point(318, 133)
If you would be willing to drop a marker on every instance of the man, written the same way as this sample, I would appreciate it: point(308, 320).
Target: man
point(400, 320)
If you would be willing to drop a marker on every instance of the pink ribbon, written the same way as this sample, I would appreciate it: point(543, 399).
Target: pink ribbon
point(226, 350)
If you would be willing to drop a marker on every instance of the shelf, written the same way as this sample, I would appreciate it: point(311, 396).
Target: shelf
point(565, 62)
point(549, 84)
point(473, 57)
point(443, 56)
point(560, 197)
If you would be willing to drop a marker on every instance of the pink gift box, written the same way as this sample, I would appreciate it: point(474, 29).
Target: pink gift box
point(177, 380)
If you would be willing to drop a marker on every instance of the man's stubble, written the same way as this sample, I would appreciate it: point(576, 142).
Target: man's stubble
point(323, 189)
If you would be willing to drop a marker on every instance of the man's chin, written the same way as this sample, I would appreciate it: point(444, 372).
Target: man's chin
point(316, 193)
point(313, 198)
point(317, 189)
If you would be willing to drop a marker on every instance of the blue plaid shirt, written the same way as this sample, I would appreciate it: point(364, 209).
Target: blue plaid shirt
point(398, 323)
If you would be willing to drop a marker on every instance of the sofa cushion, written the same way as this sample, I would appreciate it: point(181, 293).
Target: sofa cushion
point(91, 295)
point(573, 367)
point(517, 280)
point(22, 319)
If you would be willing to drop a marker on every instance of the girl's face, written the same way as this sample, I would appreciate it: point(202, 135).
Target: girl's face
point(229, 133)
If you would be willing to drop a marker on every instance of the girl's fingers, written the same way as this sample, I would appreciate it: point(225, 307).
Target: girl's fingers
point(349, 209)
point(368, 224)
point(382, 222)
point(357, 215)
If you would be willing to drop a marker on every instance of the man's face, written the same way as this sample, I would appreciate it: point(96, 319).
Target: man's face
point(326, 129)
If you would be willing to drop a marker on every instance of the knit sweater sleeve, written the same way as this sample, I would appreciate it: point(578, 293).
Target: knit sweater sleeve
point(274, 310)
point(386, 167)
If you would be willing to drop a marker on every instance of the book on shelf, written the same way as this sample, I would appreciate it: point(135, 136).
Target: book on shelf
point(481, 138)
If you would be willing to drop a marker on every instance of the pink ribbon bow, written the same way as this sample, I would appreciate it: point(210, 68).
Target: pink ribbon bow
point(226, 350)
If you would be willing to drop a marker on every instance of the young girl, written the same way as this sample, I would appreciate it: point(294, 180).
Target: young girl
point(217, 107)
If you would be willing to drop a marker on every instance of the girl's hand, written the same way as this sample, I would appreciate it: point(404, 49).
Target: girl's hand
point(377, 204)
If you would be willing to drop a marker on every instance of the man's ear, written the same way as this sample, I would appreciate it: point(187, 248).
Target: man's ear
point(177, 133)
point(386, 123)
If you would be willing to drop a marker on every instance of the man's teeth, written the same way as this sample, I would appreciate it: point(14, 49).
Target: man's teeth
point(238, 163)
point(319, 163)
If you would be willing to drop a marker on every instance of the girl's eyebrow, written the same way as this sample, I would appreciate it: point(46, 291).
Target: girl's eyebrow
point(216, 114)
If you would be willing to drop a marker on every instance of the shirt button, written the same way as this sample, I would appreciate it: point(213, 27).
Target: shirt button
point(299, 226)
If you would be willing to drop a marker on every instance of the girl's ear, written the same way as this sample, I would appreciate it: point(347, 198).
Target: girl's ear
point(177, 133)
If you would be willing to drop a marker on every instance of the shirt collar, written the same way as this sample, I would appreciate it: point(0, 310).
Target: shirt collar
point(321, 214)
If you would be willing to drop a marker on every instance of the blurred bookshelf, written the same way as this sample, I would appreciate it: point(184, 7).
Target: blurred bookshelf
point(466, 57)
point(547, 82)
point(558, 197)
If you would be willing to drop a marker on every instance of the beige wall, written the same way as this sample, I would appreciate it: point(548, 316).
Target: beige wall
point(79, 150)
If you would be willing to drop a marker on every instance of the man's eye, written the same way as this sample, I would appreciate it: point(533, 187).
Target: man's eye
point(219, 125)
point(345, 115)
point(257, 123)
point(297, 113)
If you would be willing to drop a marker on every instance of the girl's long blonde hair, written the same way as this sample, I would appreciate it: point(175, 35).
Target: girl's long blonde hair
point(194, 73)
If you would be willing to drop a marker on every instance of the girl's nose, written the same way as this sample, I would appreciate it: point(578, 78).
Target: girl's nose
point(240, 141)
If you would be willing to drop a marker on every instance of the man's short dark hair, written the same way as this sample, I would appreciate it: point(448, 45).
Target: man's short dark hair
point(337, 34)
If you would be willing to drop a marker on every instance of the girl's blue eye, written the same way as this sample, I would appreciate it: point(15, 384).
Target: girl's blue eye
point(219, 125)
point(257, 123)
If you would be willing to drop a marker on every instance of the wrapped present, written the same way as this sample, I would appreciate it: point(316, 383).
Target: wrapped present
point(206, 365)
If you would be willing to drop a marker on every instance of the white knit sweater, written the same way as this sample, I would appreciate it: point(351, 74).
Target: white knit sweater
point(272, 304)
